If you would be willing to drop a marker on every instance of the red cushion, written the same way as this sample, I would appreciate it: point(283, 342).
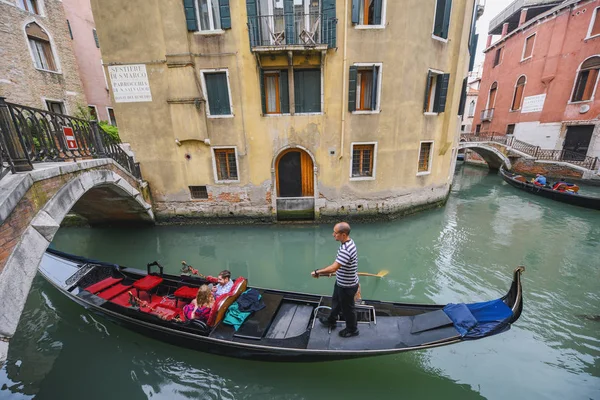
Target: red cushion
point(236, 284)
point(163, 310)
point(122, 300)
point(114, 291)
point(215, 308)
point(186, 292)
point(103, 284)
point(148, 282)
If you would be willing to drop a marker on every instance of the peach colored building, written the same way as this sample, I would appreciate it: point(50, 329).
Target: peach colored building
point(89, 60)
point(540, 79)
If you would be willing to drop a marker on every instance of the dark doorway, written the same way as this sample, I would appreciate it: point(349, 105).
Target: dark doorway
point(290, 175)
point(577, 141)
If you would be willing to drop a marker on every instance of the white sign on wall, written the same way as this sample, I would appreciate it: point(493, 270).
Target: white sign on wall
point(533, 103)
point(130, 83)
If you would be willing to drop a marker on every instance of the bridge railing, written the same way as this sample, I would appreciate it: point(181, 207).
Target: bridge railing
point(570, 157)
point(31, 135)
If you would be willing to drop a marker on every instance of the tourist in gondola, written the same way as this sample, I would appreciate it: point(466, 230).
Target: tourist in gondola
point(345, 267)
point(200, 307)
point(540, 180)
point(224, 283)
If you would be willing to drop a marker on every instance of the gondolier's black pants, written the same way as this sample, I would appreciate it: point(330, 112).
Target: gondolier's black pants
point(343, 301)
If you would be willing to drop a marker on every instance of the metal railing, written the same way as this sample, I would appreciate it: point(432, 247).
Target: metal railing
point(487, 115)
point(291, 29)
point(568, 156)
point(30, 135)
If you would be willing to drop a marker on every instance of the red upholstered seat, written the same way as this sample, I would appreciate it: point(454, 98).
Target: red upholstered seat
point(186, 292)
point(225, 300)
point(163, 310)
point(148, 282)
point(113, 291)
point(103, 284)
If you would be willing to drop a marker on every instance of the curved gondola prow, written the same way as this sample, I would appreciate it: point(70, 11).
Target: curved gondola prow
point(514, 297)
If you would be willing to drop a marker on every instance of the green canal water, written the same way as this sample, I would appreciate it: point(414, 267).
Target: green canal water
point(463, 252)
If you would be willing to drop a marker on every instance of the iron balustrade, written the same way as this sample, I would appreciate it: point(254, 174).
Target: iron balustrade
point(487, 115)
point(278, 30)
point(40, 136)
point(568, 156)
point(525, 147)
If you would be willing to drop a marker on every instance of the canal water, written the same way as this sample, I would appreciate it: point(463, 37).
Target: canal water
point(463, 252)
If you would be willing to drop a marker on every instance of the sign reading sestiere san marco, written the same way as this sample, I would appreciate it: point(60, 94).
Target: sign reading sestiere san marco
point(533, 103)
point(130, 83)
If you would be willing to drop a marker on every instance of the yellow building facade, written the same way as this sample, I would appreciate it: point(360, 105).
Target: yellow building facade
point(288, 109)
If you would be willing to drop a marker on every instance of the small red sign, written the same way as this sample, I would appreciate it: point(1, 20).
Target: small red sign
point(70, 138)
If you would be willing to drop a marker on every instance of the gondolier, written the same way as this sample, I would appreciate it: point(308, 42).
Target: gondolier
point(345, 268)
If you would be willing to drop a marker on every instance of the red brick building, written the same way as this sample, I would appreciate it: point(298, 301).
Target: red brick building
point(540, 79)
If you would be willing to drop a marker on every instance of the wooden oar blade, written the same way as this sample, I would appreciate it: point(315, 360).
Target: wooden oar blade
point(383, 273)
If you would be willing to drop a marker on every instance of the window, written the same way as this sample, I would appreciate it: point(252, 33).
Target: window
point(55, 106)
point(275, 92)
point(492, 96)
point(363, 155)
point(471, 109)
point(198, 192)
point(93, 112)
point(111, 116)
point(364, 87)
point(368, 12)
point(436, 91)
point(462, 128)
point(477, 128)
point(307, 90)
point(216, 86)
point(594, 29)
point(96, 38)
point(586, 79)
point(442, 18)
point(424, 166)
point(498, 56)
point(208, 15)
point(29, 5)
point(510, 129)
point(518, 96)
point(226, 168)
point(528, 47)
point(39, 43)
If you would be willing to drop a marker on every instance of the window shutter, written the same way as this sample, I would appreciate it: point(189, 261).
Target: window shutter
point(284, 92)
point(441, 92)
point(225, 14)
point(427, 88)
point(263, 98)
point(96, 38)
point(218, 93)
point(352, 88)
point(463, 98)
point(377, 11)
point(374, 89)
point(446, 25)
point(355, 11)
point(189, 7)
point(329, 23)
point(288, 15)
point(473, 51)
point(439, 18)
point(251, 10)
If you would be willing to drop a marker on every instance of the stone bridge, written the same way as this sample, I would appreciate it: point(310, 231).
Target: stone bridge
point(32, 207)
point(495, 154)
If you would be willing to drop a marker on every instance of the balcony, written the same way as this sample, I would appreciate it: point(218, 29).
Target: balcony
point(292, 32)
point(487, 115)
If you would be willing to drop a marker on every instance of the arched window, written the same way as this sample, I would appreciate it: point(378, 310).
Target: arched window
point(518, 96)
point(492, 97)
point(472, 108)
point(39, 42)
point(586, 79)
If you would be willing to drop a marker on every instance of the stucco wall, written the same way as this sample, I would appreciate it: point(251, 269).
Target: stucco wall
point(20, 81)
point(544, 135)
point(174, 61)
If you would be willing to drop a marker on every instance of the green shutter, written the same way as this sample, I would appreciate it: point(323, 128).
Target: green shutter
point(438, 25)
point(377, 11)
point(329, 23)
point(263, 98)
point(307, 90)
point(355, 11)
point(217, 93)
point(353, 75)
point(446, 26)
point(96, 38)
point(473, 50)
point(374, 88)
point(252, 12)
point(189, 7)
point(288, 15)
point(284, 92)
point(225, 14)
point(463, 98)
point(441, 92)
point(427, 87)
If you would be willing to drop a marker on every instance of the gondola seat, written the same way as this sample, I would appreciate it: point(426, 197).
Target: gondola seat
point(103, 284)
point(222, 303)
point(185, 293)
point(113, 291)
point(147, 283)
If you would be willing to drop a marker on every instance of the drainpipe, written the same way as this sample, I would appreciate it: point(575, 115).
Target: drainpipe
point(344, 100)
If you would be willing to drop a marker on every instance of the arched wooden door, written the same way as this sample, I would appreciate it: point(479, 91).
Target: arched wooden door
point(295, 174)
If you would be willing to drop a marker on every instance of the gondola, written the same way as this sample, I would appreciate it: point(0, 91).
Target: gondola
point(575, 199)
point(286, 329)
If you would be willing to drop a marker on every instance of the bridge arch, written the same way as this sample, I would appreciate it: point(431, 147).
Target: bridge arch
point(492, 156)
point(78, 187)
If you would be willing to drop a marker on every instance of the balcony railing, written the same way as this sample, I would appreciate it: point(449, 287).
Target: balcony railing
point(307, 30)
point(487, 115)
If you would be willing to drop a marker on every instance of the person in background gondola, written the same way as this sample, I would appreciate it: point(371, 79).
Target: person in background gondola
point(540, 180)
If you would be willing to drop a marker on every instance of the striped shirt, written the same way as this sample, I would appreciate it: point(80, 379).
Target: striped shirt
point(347, 257)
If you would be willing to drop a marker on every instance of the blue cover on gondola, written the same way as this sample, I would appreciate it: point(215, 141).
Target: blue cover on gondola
point(479, 319)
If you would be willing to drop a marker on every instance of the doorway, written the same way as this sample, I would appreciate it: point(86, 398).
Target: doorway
point(577, 141)
point(294, 173)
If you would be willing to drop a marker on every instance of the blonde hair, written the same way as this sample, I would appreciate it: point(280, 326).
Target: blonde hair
point(204, 295)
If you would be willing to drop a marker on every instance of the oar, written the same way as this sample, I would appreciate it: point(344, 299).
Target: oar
point(380, 274)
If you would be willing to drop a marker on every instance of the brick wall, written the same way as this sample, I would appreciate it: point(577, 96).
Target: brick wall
point(531, 167)
point(20, 81)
